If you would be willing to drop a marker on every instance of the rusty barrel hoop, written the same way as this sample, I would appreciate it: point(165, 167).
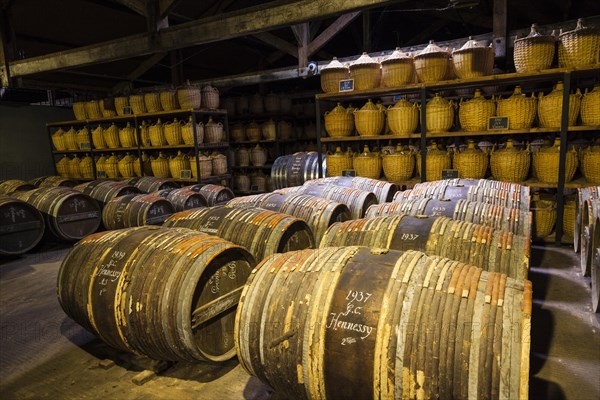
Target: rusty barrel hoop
point(262, 232)
point(383, 324)
point(107, 284)
point(149, 184)
point(52, 181)
point(15, 185)
point(69, 215)
point(21, 226)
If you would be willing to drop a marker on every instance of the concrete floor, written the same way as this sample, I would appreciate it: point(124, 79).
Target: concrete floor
point(44, 354)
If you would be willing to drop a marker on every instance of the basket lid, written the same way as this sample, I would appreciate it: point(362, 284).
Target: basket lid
point(470, 46)
point(580, 30)
point(438, 101)
point(535, 36)
point(433, 50)
point(365, 152)
point(363, 60)
point(471, 148)
point(403, 103)
point(478, 97)
point(333, 65)
point(339, 109)
point(398, 56)
point(370, 106)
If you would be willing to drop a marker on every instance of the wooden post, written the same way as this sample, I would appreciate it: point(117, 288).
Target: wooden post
point(499, 23)
point(366, 23)
point(4, 66)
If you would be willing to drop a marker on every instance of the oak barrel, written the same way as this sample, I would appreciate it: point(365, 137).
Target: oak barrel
point(52, 181)
point(69, 215)
point(482, 246)
point(297, 168)
point(384, 191)
point(497, 217)
point(183, 199)
point(108, 284)
point(360, 323)
point(260, 231)
point(136, 210)
point(581, 201)
point(21, 226)
point(15, 185)
point(595, 267)
point(149, 184)
point(214, 194)
point(318, 213)
point(590, 211)
point(104, 191)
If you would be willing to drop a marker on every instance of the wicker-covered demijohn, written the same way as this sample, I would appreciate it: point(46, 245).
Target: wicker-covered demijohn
point(398, 166)
point(397, 69)
point(367, 164)
point(510, 164)
point(471, 163)
point(338, 162)
point(534, 52)
point(474, 114)
point(403, 117)
point(369, 120)
point(440, 114)
point(550, 107)
point(590, 164)
point(189, 96)
point(339, 122)
point(366, 72)
point(590, 107)
point(544, 216)
point(545, 163)
point(520, 109)
point(432, 64)
point(579, 47)
point(436, 161)
point(332, 74)
point(473, 60)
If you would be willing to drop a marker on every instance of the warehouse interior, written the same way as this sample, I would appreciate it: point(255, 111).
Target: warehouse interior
point(59, 57)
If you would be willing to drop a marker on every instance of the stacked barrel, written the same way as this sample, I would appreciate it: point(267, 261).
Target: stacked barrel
point(587, 237)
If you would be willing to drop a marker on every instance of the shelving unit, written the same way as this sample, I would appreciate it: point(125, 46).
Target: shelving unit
point(425, 89)
point(136, 120)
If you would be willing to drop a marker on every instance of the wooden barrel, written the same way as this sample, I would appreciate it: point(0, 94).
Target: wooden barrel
point(497, 217)
point(21, 226)
point(583, 195)
point(136, 210)
point(590, 211)
point(482, 246)
point(149, 184)
point(15, 185)
point(52, 181)
point(358, 201)
point(107, 283)
point(260, 231)
point(360, 323)
point(595, 267)
point(295, 169)
point(183, 199)
point(214, 194)
point(69, 215)
point(318, 213)
point(105, 191)
point(384, 191)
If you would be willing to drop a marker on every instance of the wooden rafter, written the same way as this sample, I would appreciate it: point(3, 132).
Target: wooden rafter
point(138, 6)
point(340, 23)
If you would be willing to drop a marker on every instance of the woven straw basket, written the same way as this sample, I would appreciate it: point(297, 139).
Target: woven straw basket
point(332, 74)
point(187, 132)
point(126, 166)
point(238, 132)
point(168, 100)
point(269, 130)
point(152, 102)
point(111, 167)
point(474, 114)
point(534, 52)
point(272, 103)
point(398, 166)
point(253, 131)
point(590, 107)
point(338, 162)
point(550, 107)
point(160, 166)
point(339, 122)
point(471, 163)
point(111, 136)
point(100, 161)
point(213, 131)
point(545, 163)
point(510, 164)
point(579, 47)
point(285, 129)
point(107, 107)
point(127, 136)
point(590, 164)
point(173, 133)
point(258, 156)
point(205, 164)
point(473, 60)
point(69, 137)
point(403, 117)
point(177, 164)
point(259, 181)
point(367, 164)
point(86, 167)
point(242, 157)
point(569, 212)
point(431, 64)
point(79, 110)
point(82, 138)
point(242, 182)
point(120, 104)
point(74, 168)
point(519, 109)
point(92, 109)
point(189, 96)
point(137, 104)
point(440, 114)
point(437, 160)
point(145, 134)
point(369, 120)
point(366, 72)
point(145, 164)
point(58, 140)
point(157, 134)
point(62, 166)
point(219, 163)
point(397, 69)
point(210, 97)
point(544, 217)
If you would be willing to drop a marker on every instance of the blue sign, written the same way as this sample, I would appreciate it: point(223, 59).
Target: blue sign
point(346, 85)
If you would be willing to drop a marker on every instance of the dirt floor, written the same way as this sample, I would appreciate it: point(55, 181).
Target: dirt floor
point(44, 354)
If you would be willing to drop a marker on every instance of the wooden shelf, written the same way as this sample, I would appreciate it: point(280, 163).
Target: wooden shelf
point(266, 166)
point(367, 138)
point(574, 184)
point(257, 141)
point(71, 151)
point(107, 150)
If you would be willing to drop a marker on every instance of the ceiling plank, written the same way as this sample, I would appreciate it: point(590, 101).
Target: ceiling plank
point(340, 23)
point(278, 43)
point(136, 5)
point(245, 22)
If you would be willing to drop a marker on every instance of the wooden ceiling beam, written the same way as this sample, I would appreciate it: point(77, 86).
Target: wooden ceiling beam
point(324, 37)
point(249, 21)
point(278, 43)
point(138, 6)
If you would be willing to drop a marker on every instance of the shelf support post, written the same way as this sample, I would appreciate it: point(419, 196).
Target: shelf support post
point(319, 149)
point(423, 135)
point(562, 161)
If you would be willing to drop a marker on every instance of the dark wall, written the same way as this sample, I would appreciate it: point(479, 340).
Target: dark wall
point(24, 142)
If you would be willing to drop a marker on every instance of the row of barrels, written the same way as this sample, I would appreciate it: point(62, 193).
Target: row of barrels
point(295, 169)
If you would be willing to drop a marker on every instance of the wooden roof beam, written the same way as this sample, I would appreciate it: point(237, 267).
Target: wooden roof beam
point(138, 6)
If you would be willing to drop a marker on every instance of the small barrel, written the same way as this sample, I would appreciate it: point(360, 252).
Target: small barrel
point(69, 215)
point(318, 213)
point(214, 194)
point(590, 211)
point(136, 210)
point(105, 191)
point(52, 181)
point(583, 195)
point(360, 323)
point(149, 184)
point(482, 246)
point(260, 231)
point(295, 169)
point(183, 199)
point(21, 226)
point(108, 284)
point(497, 217)
point(384, 191)
point(15, 185)
point(595, 267)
